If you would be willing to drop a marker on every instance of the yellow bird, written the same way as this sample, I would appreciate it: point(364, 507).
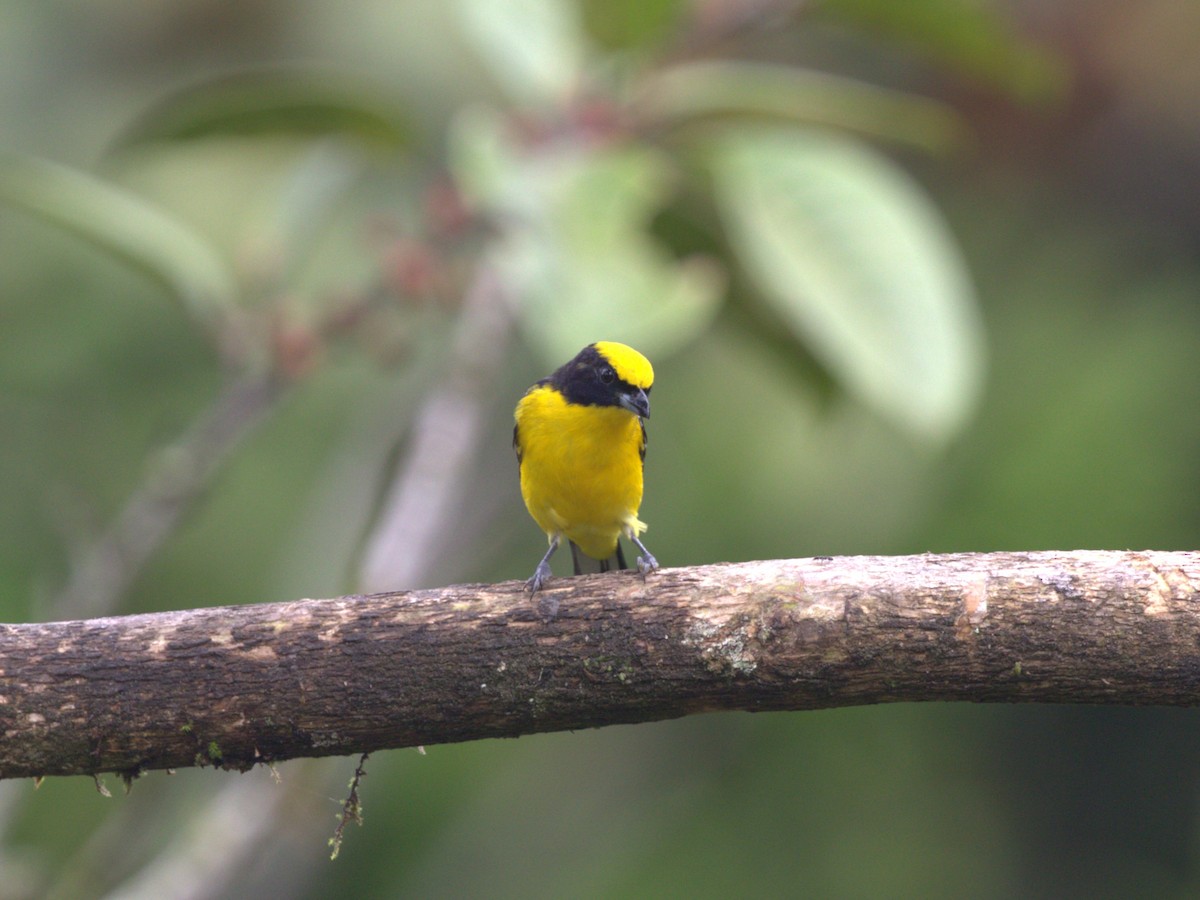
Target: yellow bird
point(581, 444)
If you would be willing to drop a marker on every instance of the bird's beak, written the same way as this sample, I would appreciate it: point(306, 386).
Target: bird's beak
point(636, 402)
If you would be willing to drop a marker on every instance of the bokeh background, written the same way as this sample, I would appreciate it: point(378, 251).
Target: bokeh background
point(914, 277)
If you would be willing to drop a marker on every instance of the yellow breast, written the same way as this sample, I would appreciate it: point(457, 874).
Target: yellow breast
point(581, 469)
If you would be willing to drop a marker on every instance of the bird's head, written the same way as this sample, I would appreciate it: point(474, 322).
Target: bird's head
point(607, 374)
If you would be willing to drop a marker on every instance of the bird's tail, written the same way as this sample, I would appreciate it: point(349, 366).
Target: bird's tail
point(585, 565)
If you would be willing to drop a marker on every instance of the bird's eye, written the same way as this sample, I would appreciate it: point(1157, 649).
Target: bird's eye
point(607, 375)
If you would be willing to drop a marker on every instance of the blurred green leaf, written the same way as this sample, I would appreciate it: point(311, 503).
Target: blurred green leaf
point(858, 263)
point(628, 293)
point(589, 271)
point(972, 37)
point(268, 101)
point(626, 24)
point(127, 227)
point(706, 90)
point(574, 243)
point(487, 163)
point(535, 48)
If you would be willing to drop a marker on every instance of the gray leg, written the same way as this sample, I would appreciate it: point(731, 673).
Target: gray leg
point(542, 572)
point(646, 562)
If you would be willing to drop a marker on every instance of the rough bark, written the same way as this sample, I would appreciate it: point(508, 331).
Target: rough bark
point(233, 686)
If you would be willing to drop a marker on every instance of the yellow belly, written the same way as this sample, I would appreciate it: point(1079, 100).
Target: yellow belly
point(581, 470)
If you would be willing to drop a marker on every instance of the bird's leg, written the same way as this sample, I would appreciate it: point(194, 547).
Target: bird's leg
point(646, 562)
point(542, 572)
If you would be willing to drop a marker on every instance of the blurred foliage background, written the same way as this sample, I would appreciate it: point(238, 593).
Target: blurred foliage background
point(914, 277)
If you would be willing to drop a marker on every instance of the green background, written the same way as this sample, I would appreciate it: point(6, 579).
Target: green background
point(1012, 188)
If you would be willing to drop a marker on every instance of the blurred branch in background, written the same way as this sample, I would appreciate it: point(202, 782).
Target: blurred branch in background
point(415, 526)
point(230, 824)
point(357, 674)
point(103, 568)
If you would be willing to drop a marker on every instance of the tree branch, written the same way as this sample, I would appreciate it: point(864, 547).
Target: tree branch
point(234, 686)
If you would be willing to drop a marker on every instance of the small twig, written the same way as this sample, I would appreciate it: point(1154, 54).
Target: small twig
point(351, 808)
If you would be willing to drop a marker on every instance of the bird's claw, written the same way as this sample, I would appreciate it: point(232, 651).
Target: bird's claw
point(540, 576)
point(646, 564)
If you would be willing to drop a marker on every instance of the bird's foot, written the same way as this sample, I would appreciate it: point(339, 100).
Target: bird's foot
point(646, 563)
point(540, 576)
